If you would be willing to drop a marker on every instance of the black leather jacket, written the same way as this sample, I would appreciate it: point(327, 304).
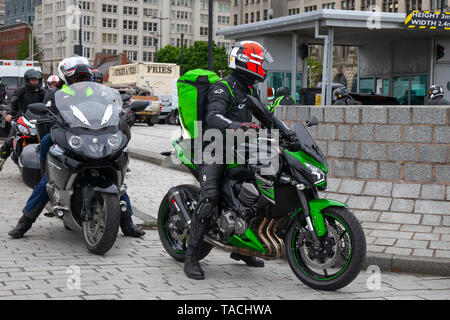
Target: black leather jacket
point(22, 97)
point(438, 101)
point(227, 110)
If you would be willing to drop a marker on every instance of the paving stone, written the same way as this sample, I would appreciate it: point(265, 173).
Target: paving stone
point(432, 220)
point(406, 190)
point(402, 251)
point(356, 202)
point(402, 205)
point(398, 217)
point(382, 204)
point(364, 215)
point(416, 244)
point(378, 188)
point(416, 228)
point(433, 192)
point(432, 207)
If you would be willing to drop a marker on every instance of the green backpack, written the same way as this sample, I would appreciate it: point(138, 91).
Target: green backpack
point(193, 89)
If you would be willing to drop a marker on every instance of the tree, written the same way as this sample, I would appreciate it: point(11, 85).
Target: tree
point(169, 54)
point(196, 57)
point(23, 51)
point(314, 72)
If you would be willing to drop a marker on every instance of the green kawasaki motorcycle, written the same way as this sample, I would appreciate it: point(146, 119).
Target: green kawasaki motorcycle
point(272, 216)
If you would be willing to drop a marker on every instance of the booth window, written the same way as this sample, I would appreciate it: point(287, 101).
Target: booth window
point(282, 79)
point(410, 90)
point(366, 85)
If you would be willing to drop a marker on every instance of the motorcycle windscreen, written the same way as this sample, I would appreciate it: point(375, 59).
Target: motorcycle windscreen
point(89, 105)
point(307, 143)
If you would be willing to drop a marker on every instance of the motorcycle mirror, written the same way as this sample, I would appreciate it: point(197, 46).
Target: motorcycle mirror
point(37, 108)
point(312, 121)
point(125, 97)
point(138, 105)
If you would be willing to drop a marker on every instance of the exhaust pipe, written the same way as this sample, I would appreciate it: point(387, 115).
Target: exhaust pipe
point(241, 251)
point(178, 204)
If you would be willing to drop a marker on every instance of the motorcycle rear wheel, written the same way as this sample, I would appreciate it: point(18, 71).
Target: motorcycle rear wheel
point(346, 251)
point(173, 235)
point(100, 233)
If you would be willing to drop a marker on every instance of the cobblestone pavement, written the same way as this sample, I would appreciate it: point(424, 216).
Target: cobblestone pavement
point(52, 262)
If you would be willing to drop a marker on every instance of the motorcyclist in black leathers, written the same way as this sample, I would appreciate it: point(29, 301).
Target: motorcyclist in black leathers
point(225, 110)
point(341, 97)
point(2, 92)
point(31, 92)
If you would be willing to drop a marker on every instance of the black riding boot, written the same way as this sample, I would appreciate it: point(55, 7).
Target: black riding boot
point(128, 228)
point(249, 260)
point(191, 263)
point(192, 266)
point(22, 226)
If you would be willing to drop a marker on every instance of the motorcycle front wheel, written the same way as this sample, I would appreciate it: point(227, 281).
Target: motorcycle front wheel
point(101, 231)
point(340, 258)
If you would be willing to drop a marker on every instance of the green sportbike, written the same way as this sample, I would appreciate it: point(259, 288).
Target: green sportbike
point(272, 216)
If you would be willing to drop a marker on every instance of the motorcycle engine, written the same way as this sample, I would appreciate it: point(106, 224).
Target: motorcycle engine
point(229, 223)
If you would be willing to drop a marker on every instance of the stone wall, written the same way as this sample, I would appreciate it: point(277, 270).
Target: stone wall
point(391, 165)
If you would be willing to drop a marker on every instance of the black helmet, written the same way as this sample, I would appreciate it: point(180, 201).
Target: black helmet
point(339, 93)
point(33, 74)
point(435, 91)
point(283, 91)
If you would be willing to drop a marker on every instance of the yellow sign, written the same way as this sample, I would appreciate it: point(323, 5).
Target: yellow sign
point(431, 20)
point(318, 99)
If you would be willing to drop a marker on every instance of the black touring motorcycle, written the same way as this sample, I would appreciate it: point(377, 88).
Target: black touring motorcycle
point(272, 216)
point(86, 167)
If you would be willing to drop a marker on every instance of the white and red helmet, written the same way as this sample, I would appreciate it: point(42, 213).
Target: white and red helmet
point(53, 78)
point(70, 69)
point(248, 58)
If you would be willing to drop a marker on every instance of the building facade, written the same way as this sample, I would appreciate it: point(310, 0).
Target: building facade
point(2, 12)
point(345, 58)
point(138, 28)
point(20, 10)
point(10, 39)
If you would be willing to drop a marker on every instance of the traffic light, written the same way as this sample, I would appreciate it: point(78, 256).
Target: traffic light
point(440, 52)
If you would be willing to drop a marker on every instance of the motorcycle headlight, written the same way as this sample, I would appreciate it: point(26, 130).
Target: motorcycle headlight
point(318, 175)
point(33, 131)
point(22, 129)
point(75, 142)
point(115, 140)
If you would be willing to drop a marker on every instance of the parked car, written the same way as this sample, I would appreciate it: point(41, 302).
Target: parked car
point(151, 114)
point(167, 109)
point(374, 99)
point(308, 97)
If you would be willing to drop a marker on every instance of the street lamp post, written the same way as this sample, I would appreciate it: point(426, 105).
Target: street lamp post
point(31, 38)
point(159, 30)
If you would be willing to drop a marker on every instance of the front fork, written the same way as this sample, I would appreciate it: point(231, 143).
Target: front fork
point(315, 222)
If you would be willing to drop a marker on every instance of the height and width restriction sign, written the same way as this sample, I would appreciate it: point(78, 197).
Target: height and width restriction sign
point(430, 20)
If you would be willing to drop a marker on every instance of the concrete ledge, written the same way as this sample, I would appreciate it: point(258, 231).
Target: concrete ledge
point(399, 263)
